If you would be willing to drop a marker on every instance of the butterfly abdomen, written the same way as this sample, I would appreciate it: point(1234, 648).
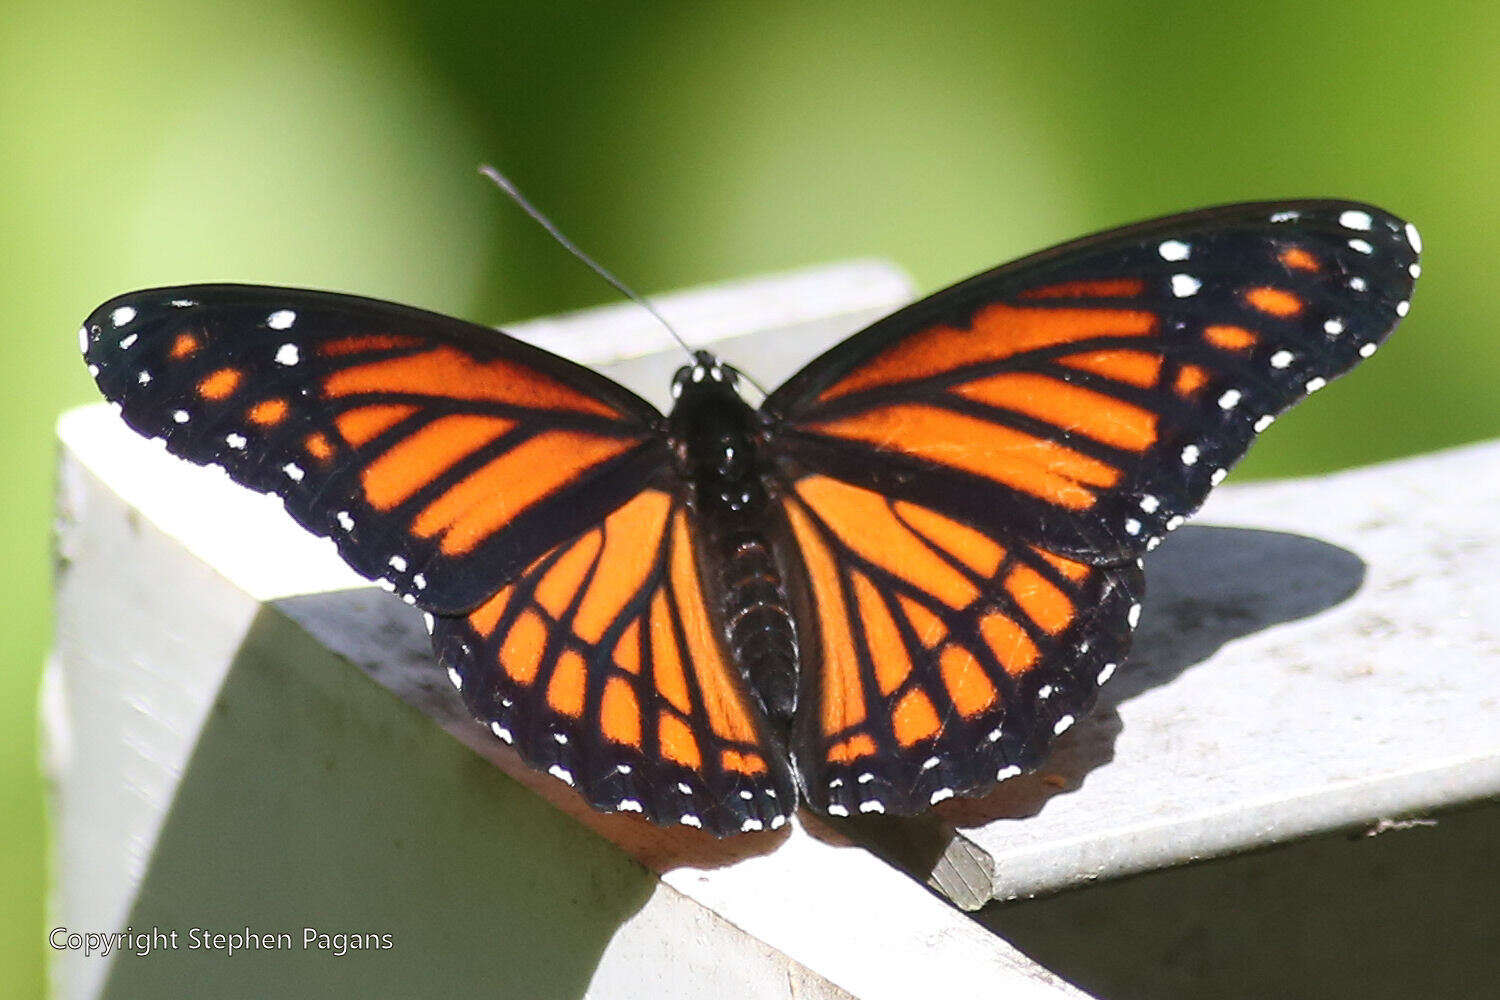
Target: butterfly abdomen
point(758, 620)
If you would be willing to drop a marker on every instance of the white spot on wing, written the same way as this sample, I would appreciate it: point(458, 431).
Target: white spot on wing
point(1218, 476)
point(1354, 219)
point(1230, 399)
point(1184, 285)
point(83, 340)
point(1415, 270)
point(1285, 216)
point(1358, 284)
point(1282, 359)
point(561, 773)
point(940, 795)
point(1106, 672)
point(1007, 772)
point(281, 319)
point(1264, 421)
point(501, 732)
point(1061, 725)
point(1133, 616)
point(455, 679)
point(1413, 237)
point(128, 341)
point(1403, 307)
point(1190, 455)
point(1174, 250)
point(1132, 526)
point(288, 355)
point(293, 471)
point(1333, 327)
point(871, 806)
point(1366, 350)
point(181, 416)
point(397, 563)
point(688, 819)
point(122, 315)
point(834, 809)
point(751, 824)
point(143, 377)
point(1361, 246)
point(1149, 503)
point(630, 806)
point(236, 441)
point(1314, 384)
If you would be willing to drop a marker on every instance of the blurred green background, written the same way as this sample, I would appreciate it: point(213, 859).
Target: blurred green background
point(333, 144)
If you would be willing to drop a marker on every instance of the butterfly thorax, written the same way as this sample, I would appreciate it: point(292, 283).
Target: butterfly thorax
point(715, 436)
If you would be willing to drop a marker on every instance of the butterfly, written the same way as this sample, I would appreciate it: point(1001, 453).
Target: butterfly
point(896, 580)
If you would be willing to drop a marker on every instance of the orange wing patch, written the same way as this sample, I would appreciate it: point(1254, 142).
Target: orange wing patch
point(1070, 408)
point(268, 413)
point(1298, 259)
point(220, 384)
point(448, 373)
point(1274, 301)
point(1103, 288)
point(1038, 466)
point(1230, 338)
point(1137, 368)
point(489, 498)
point(998, 331)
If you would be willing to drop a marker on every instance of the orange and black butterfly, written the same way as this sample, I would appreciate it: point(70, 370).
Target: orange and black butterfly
point(896, 581)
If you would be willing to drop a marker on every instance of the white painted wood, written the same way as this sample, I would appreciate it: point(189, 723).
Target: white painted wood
point(216, 763)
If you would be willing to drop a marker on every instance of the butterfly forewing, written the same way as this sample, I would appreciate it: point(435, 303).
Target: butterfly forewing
point(1089, 396)
point(604, 665)
point(440, 456)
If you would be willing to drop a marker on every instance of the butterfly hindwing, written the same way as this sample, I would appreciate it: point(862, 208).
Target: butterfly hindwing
point(440, 456)
point(1089, 396)
point(602, 664)
point(937, 659)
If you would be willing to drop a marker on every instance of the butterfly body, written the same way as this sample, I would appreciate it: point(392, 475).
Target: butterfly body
point(896, 581)
point(719, 440)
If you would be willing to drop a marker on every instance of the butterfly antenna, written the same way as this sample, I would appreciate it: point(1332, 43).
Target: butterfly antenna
point(514, 193)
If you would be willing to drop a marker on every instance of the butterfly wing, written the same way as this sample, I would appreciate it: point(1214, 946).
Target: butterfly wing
point(602, 665)
point(440, 456)
point(937, 658)
point(968, 483)
point(1090, 395)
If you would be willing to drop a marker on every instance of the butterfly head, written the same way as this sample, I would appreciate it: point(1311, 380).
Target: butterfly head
point(705, 373)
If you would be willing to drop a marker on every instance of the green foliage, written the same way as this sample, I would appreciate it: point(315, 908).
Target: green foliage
point(333, 145)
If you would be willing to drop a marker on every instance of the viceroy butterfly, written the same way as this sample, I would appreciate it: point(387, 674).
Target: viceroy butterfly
point(895, 581)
